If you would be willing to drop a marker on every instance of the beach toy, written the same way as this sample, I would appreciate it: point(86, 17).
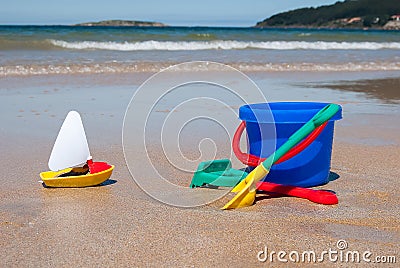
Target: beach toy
point(247, 188)
point(221, 173)
point(317, 196)
point(71, 149)
point(309, 164)
point(217, 173)
point(253, 160)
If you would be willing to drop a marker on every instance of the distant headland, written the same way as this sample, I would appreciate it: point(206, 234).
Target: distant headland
point(120, 23)
point(351, 14)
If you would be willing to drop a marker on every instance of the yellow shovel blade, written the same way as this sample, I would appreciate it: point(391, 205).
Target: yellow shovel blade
point(257, 174)
point(244, 198)
point(241, 185)
point(247, 189)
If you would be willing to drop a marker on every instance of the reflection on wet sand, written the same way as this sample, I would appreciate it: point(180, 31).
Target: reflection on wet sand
point(385, 89)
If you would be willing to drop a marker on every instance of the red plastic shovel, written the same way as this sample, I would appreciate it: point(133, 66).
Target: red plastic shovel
point(316, 196)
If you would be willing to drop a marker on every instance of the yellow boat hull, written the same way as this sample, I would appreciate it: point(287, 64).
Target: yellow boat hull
point(51, 179)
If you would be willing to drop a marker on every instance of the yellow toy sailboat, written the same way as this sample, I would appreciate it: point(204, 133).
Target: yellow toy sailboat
point(70, 150)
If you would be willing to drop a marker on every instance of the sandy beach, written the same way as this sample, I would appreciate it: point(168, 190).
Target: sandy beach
point(118, 225)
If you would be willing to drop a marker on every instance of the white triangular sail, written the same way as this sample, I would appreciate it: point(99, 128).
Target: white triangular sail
point(71, 147)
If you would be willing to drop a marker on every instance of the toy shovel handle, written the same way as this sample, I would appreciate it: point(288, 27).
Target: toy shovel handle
point(325, 114)
point(317, 120)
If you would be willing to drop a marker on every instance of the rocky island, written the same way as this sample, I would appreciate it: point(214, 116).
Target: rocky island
point(122, 23)
point(353, 14)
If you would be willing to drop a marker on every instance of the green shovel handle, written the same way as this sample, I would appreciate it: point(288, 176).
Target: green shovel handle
point(321, 117)
point(325, 114)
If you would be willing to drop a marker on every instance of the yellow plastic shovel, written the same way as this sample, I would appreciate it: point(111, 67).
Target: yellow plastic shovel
point(247, 188)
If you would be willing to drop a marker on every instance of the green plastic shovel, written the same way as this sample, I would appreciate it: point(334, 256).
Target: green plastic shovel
point(217, 173)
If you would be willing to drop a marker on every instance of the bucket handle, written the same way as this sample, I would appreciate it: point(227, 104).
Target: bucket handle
point(253, 161)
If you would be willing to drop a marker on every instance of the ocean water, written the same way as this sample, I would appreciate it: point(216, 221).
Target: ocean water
point(30, 50)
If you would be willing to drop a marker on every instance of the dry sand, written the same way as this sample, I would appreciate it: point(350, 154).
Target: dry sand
point(118, 225)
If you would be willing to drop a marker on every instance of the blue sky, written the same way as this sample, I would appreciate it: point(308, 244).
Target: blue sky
point(172, 12)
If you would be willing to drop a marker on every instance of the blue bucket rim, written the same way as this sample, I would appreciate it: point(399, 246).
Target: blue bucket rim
point(283, 112)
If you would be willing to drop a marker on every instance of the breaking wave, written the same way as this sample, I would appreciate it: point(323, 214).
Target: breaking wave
point(223, 45)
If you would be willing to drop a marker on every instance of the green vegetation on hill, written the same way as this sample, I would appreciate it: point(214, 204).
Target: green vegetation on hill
point(350, 13)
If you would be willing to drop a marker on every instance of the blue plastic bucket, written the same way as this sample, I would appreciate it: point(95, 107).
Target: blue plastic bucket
point(308, 168)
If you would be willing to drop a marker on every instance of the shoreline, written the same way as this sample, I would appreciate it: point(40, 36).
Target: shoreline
point(149, 67)
point(103, 99)
point(299, 27)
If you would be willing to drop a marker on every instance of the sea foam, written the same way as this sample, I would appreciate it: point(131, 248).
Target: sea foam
point(224, 45)
point(151, 67)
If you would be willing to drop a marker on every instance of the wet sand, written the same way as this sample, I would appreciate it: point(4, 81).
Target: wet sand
point(386, 89)
point(117, 224)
